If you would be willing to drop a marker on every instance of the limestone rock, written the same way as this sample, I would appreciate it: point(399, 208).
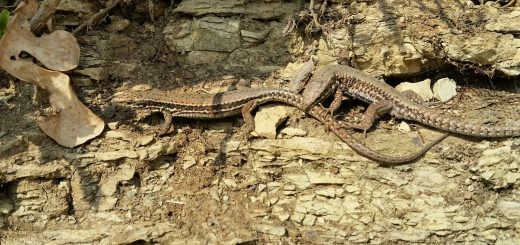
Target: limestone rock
point(444, 89)
point(423, 88)
point(268, 118)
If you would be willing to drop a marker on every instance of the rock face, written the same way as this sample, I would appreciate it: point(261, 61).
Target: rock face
point(200, 184)
point(218, 36)
point(391, 37)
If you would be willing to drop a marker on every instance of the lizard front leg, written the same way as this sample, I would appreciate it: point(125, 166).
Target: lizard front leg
point(167, 126)
point(249, 122)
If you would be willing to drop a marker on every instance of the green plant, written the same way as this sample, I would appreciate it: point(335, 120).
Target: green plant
point(4, 18)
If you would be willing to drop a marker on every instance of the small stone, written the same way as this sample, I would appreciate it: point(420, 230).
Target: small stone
point(323, 178)
point(115, 155)
point(94, 73)
point(283, 216)
point(141, 87)
point(352, 189)
point(289, 187)
point(115, 135)
point(340, 192)
point(301, 181)
point(273, 200)
point(261, 187)
point(118, 25)
point(230, 183)
point(188, 161)
point(409, 235)
point(113, 125)
point(327, 191)
point(271, 229)
point(487, 175)
point(293, 132)
point(309, 220)
point(161, 149)
point(444, 89)
point(494, 156)
point(253, 199)
point(422, 88)
point(268, 118)
point(252, 37)
point(334, 169)
point(273, 187)
point(106, 203)
point(5, 207)
point(468, 195)
point(404, 127)
point(510, 209)
point(145, 140)
point(297, 217)
point(214, 194)
point(288, 193)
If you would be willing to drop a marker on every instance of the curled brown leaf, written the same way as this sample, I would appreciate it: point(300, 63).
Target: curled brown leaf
point(72, 123)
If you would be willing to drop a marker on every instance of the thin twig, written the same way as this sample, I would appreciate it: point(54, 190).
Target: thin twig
point(43, 14)
point(314, 15)
point(94, 17)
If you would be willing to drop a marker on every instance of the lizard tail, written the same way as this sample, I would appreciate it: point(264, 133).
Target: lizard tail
point(464, 127)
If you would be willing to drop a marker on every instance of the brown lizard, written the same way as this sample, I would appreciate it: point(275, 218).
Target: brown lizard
point(341, 79)
point(243, 101)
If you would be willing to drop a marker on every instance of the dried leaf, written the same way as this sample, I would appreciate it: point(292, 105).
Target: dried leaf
point(72, 123)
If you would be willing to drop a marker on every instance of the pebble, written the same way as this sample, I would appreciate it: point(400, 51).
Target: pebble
point(404, 127)
point(115, 135)
point(327, 191)
point(141, 87)
point(188, 161)
point(261, 187)
point(230, 183)
point(145, 140)
point(297, 217)
point(468, 195)
point(289, 187)
point(268, 118)
point(422, 88)
point(5, 207)
point(324, 178)
point(309, 220)
point(444, 89)
point(271, 229)
point(283, 216)
point(113, 125)
point(292, 132)
point(115, 155)
point(510, 209)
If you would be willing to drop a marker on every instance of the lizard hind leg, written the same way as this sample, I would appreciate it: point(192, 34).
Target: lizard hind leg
point(371, 114)
point(336, 102)
point(334, 105)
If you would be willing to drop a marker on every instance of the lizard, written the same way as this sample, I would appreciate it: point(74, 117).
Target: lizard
point(235, 102)
point(343, 80)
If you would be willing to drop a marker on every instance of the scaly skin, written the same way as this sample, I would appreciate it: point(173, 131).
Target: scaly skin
point(357, 84)
point(244, 101)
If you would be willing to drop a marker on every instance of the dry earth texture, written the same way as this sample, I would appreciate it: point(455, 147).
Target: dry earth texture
point(293, 183)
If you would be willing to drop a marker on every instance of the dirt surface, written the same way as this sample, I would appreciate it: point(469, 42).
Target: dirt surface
point(201, 184)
